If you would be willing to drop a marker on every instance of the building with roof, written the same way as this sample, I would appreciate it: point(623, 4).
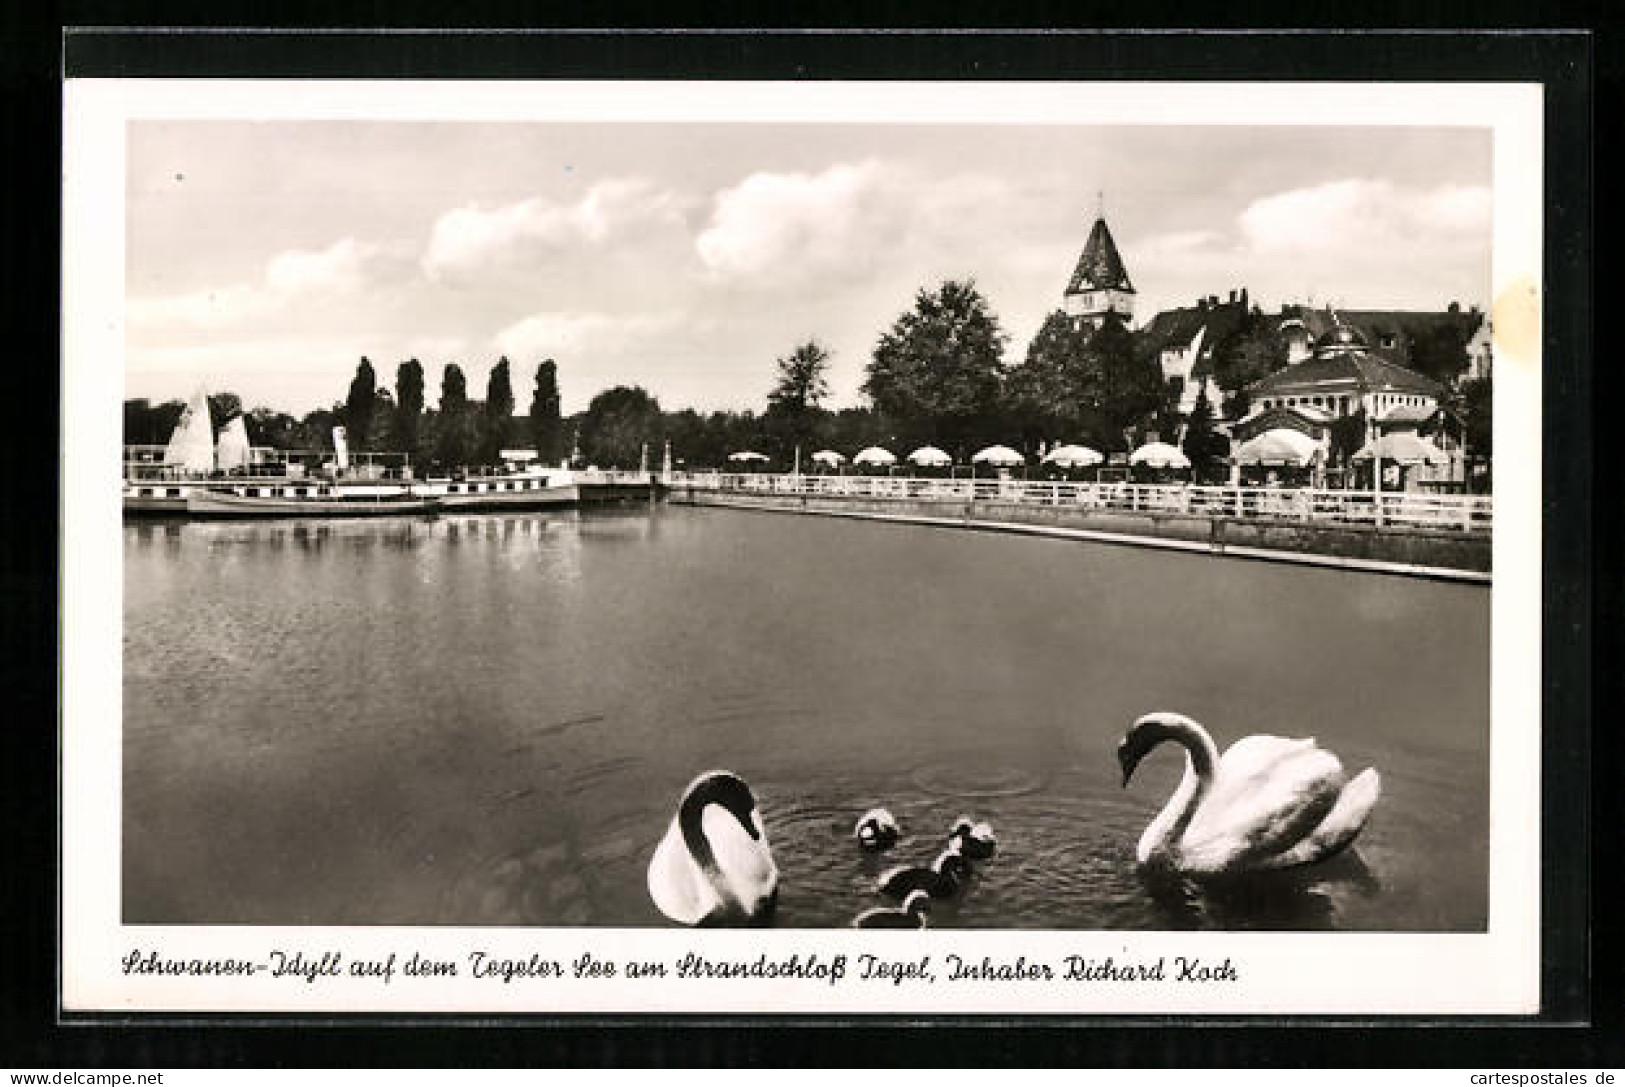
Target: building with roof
point(1099, 283)
point(1346, 376)
point(1184, 342)
point(1400, 334)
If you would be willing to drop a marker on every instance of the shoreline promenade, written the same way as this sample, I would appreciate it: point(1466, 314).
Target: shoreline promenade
point(1436, 536)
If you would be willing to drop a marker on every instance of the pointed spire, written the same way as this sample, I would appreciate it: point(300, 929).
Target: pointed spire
point(1100, 267)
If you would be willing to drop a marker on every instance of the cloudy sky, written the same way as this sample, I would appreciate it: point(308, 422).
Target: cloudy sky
point(266, 258)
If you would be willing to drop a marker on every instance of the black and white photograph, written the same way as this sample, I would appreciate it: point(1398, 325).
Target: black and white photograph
point(1089, 524)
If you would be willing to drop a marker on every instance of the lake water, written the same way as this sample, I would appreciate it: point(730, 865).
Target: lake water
point(488, 720)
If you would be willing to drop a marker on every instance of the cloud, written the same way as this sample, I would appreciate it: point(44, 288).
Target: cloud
point(583, 333)
point(781, 223)
point(341, 267)
point(468, 238)
point(1362, 213)
point(293, 276)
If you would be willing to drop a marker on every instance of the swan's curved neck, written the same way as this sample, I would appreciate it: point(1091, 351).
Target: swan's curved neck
point(732, 794)
point(1201, 759)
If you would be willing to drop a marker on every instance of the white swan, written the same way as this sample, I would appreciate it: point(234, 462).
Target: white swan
point(714, 867)
point(876, 829)
point(1268, 803)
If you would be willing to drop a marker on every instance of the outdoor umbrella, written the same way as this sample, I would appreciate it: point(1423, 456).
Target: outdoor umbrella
point(930, 456)
point(1159, 455)
point(747, 455)
point(1281, 445)
point(1403, 447)
point(874, 455)
point(1001, 456)
point(829, 457)
point(1073, 456)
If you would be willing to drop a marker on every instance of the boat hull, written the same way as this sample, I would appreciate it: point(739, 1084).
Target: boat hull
point(557, 495)
point(225, 504)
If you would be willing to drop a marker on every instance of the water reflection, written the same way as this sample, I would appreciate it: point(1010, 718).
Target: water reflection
point(487, 719)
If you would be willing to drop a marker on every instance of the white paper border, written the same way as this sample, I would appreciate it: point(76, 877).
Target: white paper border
point(1339, 974)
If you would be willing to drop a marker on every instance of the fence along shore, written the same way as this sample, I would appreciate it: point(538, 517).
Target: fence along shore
point(1433, 535)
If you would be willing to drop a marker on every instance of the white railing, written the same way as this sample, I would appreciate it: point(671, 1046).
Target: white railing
point(1466, 513)
point(607, 475)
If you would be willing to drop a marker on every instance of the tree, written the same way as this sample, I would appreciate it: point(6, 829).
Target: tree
point(1440, 352)
point(498, 412)
point(1123, 386)
point(618, 425)
point(408, 404)
point(222, 406)
point(1477, 412)
point(149, 424)
point(273, 428)
point(1202, 444)
point(454, 440)
point(382, 435)
point(1252, 354)
point(793, 404)
point(1347, 435)
point(1046, 392)
point(546, 426)
point(937, 373)
point(358, 406)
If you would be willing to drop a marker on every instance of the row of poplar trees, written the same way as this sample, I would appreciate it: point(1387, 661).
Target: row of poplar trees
point(458, 430)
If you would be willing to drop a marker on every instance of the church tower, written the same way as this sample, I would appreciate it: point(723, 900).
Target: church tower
point(1099, 284)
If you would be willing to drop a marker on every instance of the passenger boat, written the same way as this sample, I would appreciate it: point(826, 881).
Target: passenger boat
point(283, 501)
point(525, 489)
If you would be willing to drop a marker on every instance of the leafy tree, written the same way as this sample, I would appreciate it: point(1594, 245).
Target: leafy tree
point(937, 374)
point(273, 428)
point(793, 404)
point(316, 428)
point(546, 426)
point(498, 413)
point(382, 436)
point(149, 424)
point(1250, 355)
point(1046, 393)
point(408, 405)
point(359, 404)
point(222, 406)
point(454, 438)
point(1092, 385)
point(618, 424)
point(1347, 434)
point(1477, 411)
point(1202, 444)
point(1123, 386)
point(1440, 352)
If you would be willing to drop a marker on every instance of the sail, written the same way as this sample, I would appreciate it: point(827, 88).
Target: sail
point(231, 451)
point(341, 447)
point(192, 445)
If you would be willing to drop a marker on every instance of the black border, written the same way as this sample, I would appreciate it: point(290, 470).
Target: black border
point(1582, 1023)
